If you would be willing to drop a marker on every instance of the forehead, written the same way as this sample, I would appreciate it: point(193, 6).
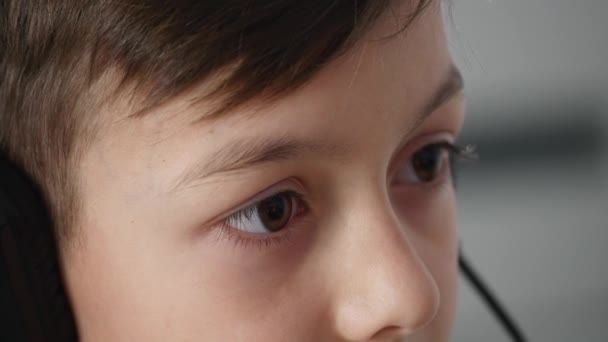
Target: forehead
point(371, 87)
point(385, 61)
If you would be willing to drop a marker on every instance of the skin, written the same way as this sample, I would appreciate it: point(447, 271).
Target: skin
point(372, 257)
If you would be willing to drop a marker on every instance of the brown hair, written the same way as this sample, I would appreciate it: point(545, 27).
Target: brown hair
point(54, 56)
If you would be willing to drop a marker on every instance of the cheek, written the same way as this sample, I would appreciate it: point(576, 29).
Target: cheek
point(249, 292)
point(429, 215)
point(208, 291)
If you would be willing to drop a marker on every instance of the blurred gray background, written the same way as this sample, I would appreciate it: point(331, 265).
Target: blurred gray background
point(534, 209)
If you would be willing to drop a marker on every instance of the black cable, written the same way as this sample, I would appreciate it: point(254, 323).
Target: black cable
point(499, 311)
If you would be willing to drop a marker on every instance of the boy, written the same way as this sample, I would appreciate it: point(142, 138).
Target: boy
point(240, 170)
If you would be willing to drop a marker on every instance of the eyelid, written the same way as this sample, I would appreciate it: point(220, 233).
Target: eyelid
point(287, 185)
point(245, 212)
point(244, 238)
point(415, 144)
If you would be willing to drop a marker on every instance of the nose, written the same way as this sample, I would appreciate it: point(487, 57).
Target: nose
point(383, 288)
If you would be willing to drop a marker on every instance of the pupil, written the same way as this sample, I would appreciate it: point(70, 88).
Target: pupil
point(275, 212)
point(426, 163)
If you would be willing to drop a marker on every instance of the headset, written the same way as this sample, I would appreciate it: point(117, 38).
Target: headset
point(33, 302)
point(34, 306)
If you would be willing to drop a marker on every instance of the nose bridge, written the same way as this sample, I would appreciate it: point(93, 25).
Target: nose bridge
point(381, 284)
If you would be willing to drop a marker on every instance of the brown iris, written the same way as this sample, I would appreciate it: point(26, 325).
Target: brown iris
point(276, 211)
point(427, 162)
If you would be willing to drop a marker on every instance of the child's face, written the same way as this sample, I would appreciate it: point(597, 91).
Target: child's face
point(366, 251)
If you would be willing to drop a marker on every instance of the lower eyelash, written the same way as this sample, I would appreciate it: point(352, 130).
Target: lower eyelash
point(456, 155)
point(238, 238)
point(243, 239)
point(228, 233)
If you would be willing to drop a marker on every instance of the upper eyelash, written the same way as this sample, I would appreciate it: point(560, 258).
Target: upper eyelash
point(460, 153)
point(243, 213)
point(249, 211)
point(228, 232)
point(465, 153)
point(456, 153)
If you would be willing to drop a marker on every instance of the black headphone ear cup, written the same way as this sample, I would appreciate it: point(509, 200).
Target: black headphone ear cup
point(33, 301)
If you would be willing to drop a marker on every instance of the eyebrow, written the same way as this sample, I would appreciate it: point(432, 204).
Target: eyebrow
point(452, 84)
point(249, 152)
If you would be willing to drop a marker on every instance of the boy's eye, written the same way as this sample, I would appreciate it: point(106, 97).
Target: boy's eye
point(269, 215)
point(426, 164)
